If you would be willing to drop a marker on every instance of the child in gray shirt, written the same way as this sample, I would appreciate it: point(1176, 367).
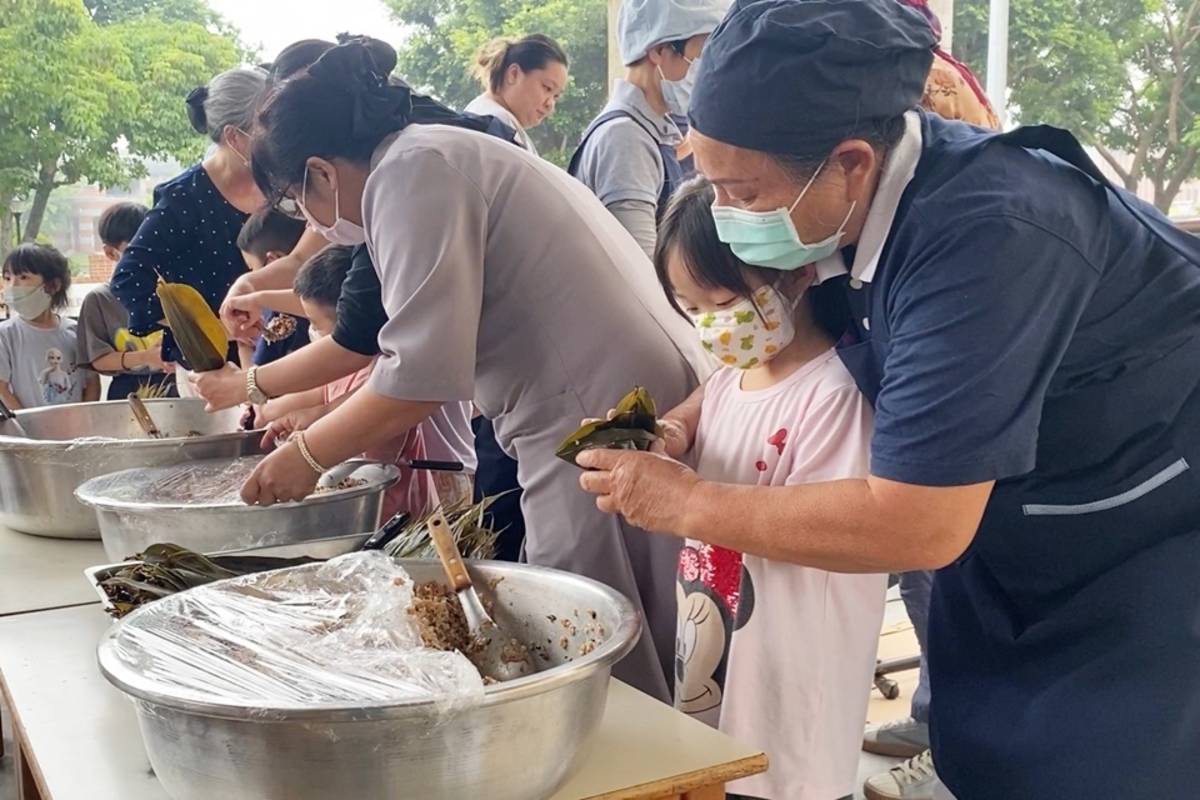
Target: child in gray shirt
point(38, 346)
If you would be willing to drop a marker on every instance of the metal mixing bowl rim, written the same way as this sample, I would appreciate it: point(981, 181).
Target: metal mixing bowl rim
point(19, 443)
point(391, 475)
point(9, 442)
point(621, 641)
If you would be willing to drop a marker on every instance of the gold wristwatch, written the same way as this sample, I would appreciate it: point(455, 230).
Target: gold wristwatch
point(254, 394)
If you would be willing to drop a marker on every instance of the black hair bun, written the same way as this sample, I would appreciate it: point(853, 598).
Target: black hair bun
point(195, 109)
point(381, 55)
point(360, 66)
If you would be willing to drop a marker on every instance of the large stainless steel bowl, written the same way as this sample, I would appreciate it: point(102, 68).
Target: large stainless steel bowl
point(521, 743)
point(135, 508)
point(69, 444)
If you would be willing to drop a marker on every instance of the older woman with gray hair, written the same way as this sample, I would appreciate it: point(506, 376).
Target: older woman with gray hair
point(190, 236)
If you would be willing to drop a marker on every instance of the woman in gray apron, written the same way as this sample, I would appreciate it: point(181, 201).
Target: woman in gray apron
point(1030, 338)
point(472, 239)
point(628, 154)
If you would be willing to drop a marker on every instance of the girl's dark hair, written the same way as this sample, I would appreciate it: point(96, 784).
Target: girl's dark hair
point(535, 51)
point(320, 279)
point(687, 228)
point(268, 230)
point(341, 106)
point(43, 260)
point(120, 222)
point(295, 57)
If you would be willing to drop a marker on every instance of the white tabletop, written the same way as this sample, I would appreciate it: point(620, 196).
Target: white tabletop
point(38, 573)
point(84, 741)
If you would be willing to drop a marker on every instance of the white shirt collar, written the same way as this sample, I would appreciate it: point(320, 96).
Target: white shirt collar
point(898, 171)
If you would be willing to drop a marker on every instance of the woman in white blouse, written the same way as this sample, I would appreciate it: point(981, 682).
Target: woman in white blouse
point(522, 81)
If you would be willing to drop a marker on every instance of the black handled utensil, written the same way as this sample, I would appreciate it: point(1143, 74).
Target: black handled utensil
point(386, 533)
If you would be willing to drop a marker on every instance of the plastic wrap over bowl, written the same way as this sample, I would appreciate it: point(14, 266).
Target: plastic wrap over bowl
point(197, 506)
point(240, 723)
point(68, 444)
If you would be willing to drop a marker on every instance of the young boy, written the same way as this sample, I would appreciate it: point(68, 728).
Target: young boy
point(38, 346)
point(318, 285)
point(266, 236)
point(133, 362)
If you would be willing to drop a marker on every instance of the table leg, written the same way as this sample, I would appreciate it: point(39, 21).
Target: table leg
point(27, 788)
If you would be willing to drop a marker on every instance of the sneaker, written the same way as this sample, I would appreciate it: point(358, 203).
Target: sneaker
point(912, 780)
point(901, 738)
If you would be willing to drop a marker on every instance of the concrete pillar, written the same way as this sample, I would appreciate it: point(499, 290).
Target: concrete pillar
point(615, 68)
point(944, 9)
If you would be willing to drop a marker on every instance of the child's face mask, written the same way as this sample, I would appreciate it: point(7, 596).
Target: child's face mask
point(751, 332)
point(29, 302)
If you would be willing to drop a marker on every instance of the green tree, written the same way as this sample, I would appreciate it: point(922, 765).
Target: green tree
point(439, 55)
point(1123, 75)
point(98, 100)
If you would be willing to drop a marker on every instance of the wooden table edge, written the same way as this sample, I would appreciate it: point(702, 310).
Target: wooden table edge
point(24, 754)
point(689, 781)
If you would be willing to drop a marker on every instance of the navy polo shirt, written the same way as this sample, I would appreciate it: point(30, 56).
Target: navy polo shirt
point(1007, 277)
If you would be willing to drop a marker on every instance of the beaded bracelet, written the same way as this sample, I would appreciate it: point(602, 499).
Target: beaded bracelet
point(302, 444)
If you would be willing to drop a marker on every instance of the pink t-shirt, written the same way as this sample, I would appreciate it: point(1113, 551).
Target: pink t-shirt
point(778, 655)
point(414, 489)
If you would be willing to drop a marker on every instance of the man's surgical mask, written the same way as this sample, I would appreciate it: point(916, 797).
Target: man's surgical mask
point(678, 94)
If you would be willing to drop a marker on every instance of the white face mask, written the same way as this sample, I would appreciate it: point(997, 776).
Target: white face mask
point(342, 231)
point(750, 333)
point(30, 302)
point(678, 94)
point(313, 336)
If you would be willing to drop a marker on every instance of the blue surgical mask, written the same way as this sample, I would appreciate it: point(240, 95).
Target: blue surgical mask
point(678, 94)
point(342, 231)
point(769, 238)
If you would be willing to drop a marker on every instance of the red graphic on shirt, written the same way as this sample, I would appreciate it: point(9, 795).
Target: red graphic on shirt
point(715, 567)
point(779, 440)
point(760, 465)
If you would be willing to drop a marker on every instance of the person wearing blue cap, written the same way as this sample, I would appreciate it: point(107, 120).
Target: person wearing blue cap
point(1029, 336)
point(628, 154)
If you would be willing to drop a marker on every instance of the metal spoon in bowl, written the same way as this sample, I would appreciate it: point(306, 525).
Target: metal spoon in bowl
point(499, 655)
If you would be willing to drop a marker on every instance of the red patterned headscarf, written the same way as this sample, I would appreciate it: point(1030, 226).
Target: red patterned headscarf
point(963, 69)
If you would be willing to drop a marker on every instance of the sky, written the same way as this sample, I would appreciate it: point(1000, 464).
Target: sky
point(271, 25)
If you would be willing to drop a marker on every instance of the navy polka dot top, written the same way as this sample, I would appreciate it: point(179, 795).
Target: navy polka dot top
point(190, 236)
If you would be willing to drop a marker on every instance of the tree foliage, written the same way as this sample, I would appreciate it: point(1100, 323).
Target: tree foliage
point(1123, 75)
point(88, 100)
point(439, 55)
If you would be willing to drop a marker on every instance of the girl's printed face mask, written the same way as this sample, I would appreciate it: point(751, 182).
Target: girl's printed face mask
point(748, 333)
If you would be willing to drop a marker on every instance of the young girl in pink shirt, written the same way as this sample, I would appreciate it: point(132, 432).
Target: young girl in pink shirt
point(778, 655)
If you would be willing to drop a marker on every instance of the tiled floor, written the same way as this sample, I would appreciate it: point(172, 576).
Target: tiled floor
point(896, 641)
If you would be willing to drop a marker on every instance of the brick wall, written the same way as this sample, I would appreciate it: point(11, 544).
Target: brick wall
point(100, 268)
